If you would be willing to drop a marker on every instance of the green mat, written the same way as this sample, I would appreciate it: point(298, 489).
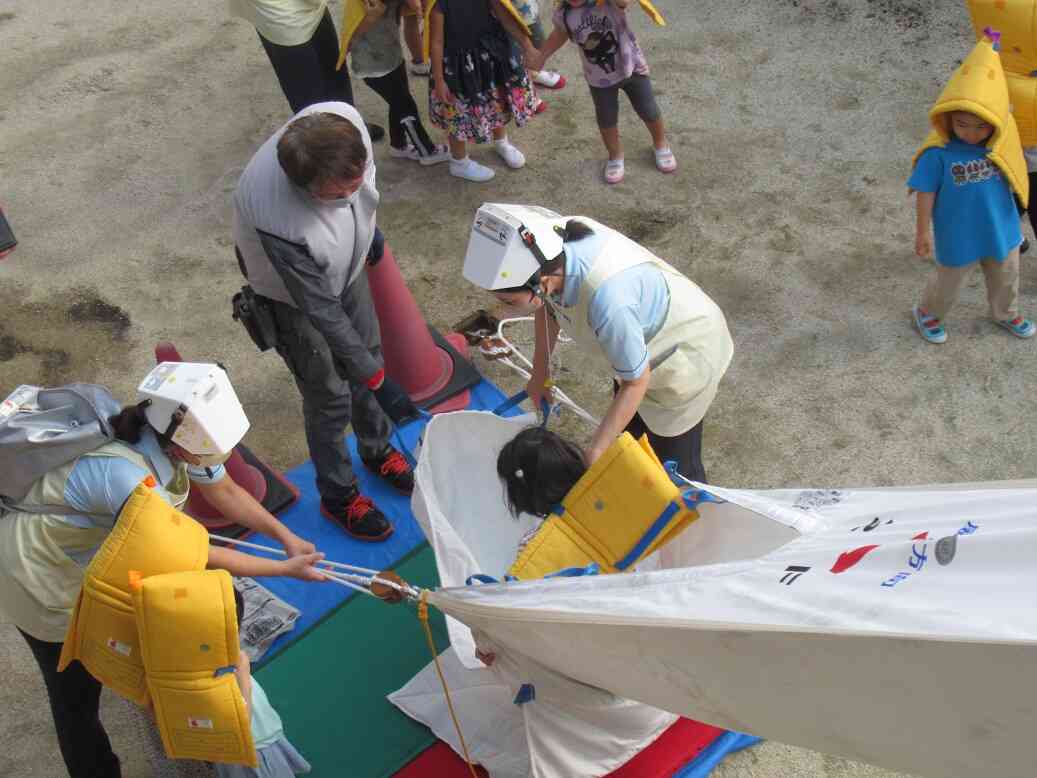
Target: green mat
point(330, 687)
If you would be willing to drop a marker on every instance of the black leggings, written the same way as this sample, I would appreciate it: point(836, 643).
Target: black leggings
point(684, 449)
point(75, 701)
point(307, 72)
point(404, 120)
point(638, 90)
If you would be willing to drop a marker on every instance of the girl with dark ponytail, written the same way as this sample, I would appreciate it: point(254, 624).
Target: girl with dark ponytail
point(538, 468)
point(129, 422)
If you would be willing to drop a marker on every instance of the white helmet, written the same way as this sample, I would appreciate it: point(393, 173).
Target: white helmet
point(195, 406)
point(510, 243)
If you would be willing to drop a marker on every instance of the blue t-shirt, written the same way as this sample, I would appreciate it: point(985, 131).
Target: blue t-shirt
point(974, 216)
point(627, 310)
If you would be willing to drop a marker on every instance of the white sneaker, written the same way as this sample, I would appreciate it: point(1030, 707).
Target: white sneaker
point(407, 152)
point(470, 170)
point(440, 153)
point(421, 68)
point(549, 79)
point(512, 157)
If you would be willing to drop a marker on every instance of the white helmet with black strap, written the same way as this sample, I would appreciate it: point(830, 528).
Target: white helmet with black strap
point(510, 244)
point(194, 406)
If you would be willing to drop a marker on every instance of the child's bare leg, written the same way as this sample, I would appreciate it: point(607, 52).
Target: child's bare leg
point(610, 136)
point(658, 132)
point(458, 148)
point(412, 35)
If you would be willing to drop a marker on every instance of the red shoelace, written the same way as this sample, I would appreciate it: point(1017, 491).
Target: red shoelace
point(394, 464)
point(358, 509)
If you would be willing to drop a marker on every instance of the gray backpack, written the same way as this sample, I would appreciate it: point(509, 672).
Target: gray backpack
point(41, 429)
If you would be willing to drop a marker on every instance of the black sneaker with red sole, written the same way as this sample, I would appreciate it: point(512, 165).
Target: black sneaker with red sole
point(360, 519)
point(395, 469)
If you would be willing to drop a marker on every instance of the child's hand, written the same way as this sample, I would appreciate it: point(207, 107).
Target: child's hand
point(535, 59)
point(923, 244)
point(302, 567)
point(486, 657)
point(442, 92)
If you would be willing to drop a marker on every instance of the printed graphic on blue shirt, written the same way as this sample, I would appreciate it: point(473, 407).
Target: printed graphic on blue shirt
point(974, 172)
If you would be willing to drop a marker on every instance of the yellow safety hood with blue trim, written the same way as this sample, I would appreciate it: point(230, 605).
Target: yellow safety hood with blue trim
point(980, 87)
point(1016, 20)
point(622, 509)
point(153, 537)
point(189, 642)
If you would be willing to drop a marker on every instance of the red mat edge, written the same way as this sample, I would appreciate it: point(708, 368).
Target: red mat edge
point(679, 745)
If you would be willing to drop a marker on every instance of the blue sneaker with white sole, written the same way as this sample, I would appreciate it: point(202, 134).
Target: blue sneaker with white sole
point(929, 327)
point(1020, 327)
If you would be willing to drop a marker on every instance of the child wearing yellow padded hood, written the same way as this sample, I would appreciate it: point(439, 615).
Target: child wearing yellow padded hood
point(964, 177)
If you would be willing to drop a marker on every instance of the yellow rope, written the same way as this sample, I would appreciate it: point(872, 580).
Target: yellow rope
point(423, 615)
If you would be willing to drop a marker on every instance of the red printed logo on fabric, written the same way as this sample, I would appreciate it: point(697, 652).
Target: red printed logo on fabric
point(848, 559)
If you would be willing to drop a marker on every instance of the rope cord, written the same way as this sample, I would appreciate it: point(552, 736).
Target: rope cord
point(423, 616)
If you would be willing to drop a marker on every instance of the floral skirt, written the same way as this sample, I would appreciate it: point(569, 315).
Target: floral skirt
point(475, 120)
point(490, 87)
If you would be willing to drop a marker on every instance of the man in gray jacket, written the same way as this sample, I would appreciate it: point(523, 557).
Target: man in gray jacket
point(304, 227)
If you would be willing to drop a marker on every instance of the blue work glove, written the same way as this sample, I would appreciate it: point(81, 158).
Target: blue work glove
point(395, 402)
point(377, 250)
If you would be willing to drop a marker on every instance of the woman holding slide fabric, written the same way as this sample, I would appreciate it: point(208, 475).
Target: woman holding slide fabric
point(664, 341)
point(185, 425)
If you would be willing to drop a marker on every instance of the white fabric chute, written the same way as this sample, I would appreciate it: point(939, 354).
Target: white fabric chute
point(569, 728)
point(892, 626)
point(896, 627)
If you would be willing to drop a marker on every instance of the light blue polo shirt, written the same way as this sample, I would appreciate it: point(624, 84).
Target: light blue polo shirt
point(100, 486)
point(626, 311)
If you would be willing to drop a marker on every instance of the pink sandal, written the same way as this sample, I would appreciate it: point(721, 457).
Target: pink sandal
point(615, 169)
point(665, 161)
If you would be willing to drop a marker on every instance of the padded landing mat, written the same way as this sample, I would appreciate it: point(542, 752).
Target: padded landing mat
point(330, 687)
point(316, 601)
point(688, 749)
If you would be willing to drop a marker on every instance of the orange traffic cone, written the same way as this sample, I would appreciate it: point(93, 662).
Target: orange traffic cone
point(431, 369)
point(267, 485)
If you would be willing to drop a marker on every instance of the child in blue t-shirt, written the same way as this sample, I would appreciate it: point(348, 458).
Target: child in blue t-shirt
point(276, 756)
point(963, 195)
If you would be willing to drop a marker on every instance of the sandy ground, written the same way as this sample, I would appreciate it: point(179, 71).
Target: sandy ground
point(126, 125)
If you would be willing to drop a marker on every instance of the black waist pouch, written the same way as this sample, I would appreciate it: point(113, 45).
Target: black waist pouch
point(257, 315)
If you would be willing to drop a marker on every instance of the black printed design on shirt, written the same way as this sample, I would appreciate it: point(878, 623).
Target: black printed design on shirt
point(975, 172)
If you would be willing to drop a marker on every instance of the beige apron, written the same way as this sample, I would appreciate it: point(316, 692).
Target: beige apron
point(688, 355)
point(39, 581)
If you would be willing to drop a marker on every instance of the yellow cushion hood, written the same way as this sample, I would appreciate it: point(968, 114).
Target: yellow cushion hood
point(980, 87)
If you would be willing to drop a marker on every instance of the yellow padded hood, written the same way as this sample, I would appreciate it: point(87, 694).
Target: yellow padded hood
point(1022, 91)
point(980, 87)
point(622, 509)
point(189, 642)
point(1017, 22)
point(150, 536)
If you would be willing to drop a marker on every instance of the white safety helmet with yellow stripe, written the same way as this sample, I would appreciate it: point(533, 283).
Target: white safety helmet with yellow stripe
point(194, 406)
point(510, 244)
